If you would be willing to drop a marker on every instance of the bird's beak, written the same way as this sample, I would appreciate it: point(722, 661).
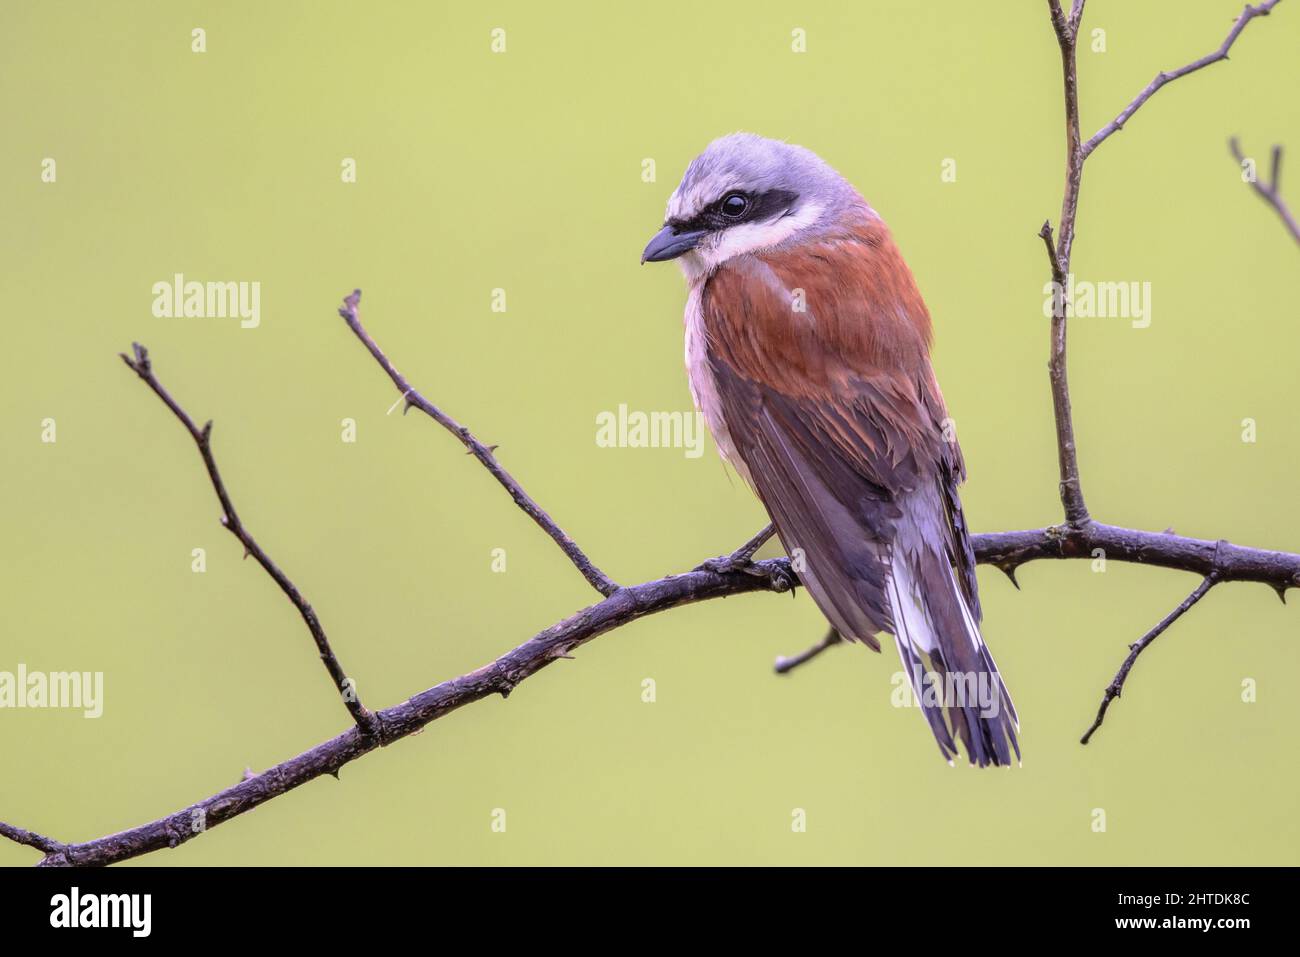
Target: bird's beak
point(669, 243)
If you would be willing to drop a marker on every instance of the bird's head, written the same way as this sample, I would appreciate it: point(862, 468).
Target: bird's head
point(746, 193)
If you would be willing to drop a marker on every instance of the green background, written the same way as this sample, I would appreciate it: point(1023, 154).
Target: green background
point(522, 171)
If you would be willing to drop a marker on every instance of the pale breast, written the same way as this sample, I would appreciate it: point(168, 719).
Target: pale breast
point(704, 389)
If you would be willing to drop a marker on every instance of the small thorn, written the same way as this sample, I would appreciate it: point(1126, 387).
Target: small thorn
point(1010, 571)
point(400, 400)
point(334, 774)
point(1281, 592)
point(504, 685)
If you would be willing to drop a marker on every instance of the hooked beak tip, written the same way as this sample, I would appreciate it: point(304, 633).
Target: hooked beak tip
point(669, 243)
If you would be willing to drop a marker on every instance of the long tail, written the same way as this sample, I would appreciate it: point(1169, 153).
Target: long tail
point(952, 674)
point(881, 561)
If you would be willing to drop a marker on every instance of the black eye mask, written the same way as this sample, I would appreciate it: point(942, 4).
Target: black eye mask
point(759, 206)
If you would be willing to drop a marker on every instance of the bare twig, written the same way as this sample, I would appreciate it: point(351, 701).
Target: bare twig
point(30, 838)
point(1270, 192)
point(1009, 550)
point(1067, 35)
point(1071, 487)
point(1117, 684)
point(1077, 517)
point(365, 719)
point(1076, 14)
point(1168, 76)
point(784, 665)
point(484, 453)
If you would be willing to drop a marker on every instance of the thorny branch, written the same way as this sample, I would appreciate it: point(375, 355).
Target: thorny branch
point(1076, 152)
point(1071, 489)
point(1067, 35)
point(1270, 192)
point(731, 574)
point(1168, 76)
point(30, 839)
point(1005, 550)
point(1117, 684)
point(143, 367)
point(485, 454)
point(497, 677)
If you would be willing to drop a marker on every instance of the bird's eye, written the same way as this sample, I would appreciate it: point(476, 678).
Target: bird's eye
point(734, 205)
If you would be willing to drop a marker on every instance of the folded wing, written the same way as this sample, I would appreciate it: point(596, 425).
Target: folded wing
point(820, 363)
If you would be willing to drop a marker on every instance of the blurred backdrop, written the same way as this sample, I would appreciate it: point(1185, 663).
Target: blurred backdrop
point(525, 171)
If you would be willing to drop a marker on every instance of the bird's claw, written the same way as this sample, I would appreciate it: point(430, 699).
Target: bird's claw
point(783, 581)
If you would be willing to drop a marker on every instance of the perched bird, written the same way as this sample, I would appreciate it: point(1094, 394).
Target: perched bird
point(808, 353)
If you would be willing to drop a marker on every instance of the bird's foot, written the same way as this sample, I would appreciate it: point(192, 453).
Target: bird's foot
point(728, 564)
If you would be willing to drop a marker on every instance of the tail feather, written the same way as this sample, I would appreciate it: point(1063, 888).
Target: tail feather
point(952, 673)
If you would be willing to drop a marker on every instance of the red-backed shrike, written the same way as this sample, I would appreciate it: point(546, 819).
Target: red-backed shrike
point(808, 352)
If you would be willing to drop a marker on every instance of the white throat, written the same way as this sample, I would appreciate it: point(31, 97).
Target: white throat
point(735, 241)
